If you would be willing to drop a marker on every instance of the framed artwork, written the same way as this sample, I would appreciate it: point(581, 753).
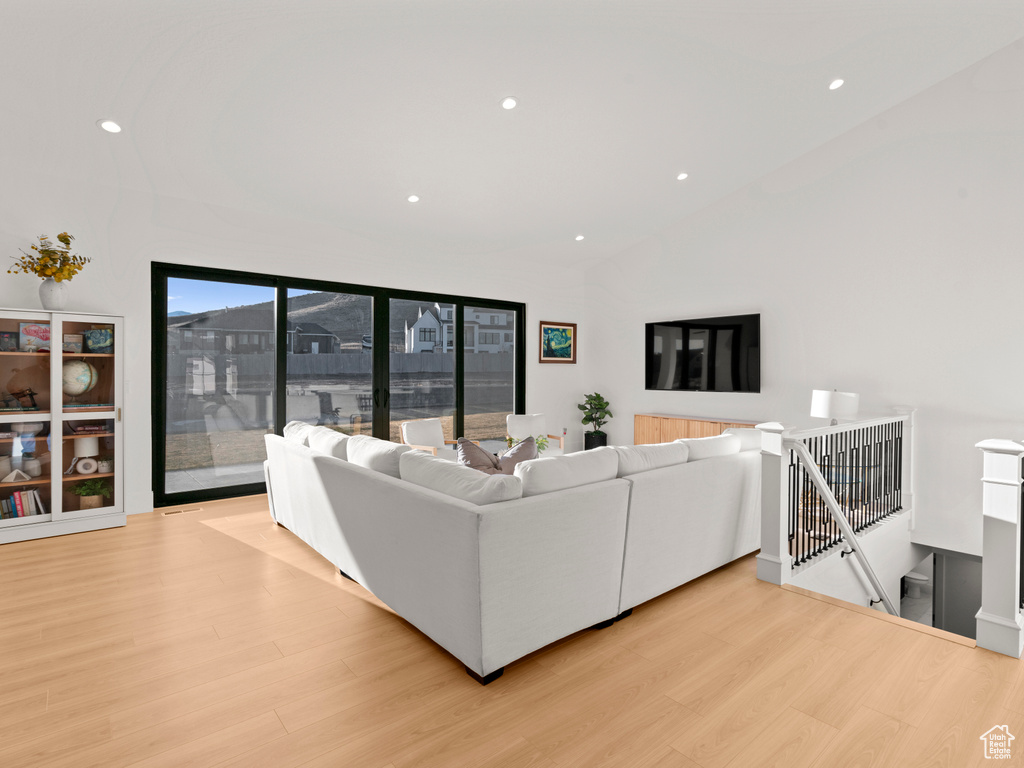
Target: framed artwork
point(557, 342)
point(8, 341)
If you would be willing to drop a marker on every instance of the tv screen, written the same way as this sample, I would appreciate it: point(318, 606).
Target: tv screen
point(712, 354)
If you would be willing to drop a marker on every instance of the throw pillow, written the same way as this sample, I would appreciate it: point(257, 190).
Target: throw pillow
point(556, 473)
point(524, 450)
point(297, 432)
point(709, 447)
point(328, 441)
point(456, 480)
point(641, 458)
point(472, 455)
point(378, 455)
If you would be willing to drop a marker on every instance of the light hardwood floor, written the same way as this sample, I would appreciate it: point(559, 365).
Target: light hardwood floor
point(216, 638)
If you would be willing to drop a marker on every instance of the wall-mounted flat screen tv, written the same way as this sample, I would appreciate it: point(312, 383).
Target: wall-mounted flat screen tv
point(711, 354)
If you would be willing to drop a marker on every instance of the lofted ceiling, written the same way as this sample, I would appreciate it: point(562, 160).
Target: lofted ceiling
point(335, 111)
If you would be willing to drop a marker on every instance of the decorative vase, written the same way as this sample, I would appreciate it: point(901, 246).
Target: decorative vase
point(53, 295)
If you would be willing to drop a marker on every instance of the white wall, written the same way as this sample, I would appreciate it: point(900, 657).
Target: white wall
point(887, 262)
point(125, 231)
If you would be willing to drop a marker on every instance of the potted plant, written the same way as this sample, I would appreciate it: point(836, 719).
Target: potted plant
point(540, 440)
point(92, 492)
point(105, 464)
point(595, 412)
point(55, 264)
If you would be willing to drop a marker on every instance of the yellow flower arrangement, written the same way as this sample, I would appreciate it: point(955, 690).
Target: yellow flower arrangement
point(49, 260)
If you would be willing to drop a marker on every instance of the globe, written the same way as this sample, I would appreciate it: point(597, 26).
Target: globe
point(78, 377)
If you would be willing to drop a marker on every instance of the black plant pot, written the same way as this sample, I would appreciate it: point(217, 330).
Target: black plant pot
point(594, 440)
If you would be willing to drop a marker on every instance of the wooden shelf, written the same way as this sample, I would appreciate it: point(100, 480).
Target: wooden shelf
point(23, 483)
point(88, 409)
point(88, 354)
point(78, 476)
point(26, 354)
point(77, 435)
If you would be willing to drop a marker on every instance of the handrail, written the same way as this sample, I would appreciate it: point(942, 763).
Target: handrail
point(802, 434)
point(798, 447)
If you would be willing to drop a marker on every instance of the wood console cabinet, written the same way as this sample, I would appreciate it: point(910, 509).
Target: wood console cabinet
point(61, 450)
point(661, 428)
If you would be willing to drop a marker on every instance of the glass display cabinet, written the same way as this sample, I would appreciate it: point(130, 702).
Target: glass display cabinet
point(60, 423)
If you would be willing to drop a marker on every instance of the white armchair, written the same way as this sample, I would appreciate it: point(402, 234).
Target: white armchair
point(523, 425)
point(428, 435)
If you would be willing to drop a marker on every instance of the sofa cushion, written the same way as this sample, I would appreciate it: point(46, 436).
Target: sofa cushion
point(457, 480)
point(379, 455)
point(750, 438)
point(640, 458)
point(555, 473)
point(707, 447)
point(524, 450)
point(297, 432)
point(328, 441)
point(471, 455)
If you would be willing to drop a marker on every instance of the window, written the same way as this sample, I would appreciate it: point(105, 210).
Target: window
point(490, 338)
point(214, 402)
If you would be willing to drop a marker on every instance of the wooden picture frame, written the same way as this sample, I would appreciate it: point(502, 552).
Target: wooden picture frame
point(558, 342)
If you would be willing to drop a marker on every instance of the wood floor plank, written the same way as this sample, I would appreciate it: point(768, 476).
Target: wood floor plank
point(791, 740)
point(870, 740)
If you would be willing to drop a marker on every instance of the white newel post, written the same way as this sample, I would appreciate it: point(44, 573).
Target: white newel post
point(1000, 625)
point(774, 563)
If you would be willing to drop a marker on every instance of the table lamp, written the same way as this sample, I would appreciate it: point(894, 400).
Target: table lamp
point(834, 405)
point(86, 449)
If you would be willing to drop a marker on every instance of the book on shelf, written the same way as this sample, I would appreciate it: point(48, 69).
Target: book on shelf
point(82, 429)
point(73, 406)
point(40, 507)
point(20, 511)
point(8, 434)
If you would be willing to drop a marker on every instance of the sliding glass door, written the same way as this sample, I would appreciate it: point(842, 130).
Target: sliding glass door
point(237, 356)
point(329, 348)
point(489, 374)
point(219, 384)
point(421, 364)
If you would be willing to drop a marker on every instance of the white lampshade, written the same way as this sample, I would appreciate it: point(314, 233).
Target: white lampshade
point(87, 446)
point(830, 404)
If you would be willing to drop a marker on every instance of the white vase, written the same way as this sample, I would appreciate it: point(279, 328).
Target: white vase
point(53, 295)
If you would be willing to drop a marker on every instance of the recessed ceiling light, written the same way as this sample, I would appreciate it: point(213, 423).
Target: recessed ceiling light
point(578, 238)
point(109, 125)
point(508, 103)
point(837, 83)
point(682, 176)
point(413, 198)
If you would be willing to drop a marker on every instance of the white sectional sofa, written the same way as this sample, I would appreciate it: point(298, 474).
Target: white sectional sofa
point(493, 567)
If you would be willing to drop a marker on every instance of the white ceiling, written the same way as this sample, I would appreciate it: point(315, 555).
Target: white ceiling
point(336, 110)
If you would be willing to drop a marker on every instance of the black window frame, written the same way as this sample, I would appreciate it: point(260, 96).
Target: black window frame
point(160, 272)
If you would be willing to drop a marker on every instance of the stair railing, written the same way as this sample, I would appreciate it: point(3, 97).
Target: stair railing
point(820, 487)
